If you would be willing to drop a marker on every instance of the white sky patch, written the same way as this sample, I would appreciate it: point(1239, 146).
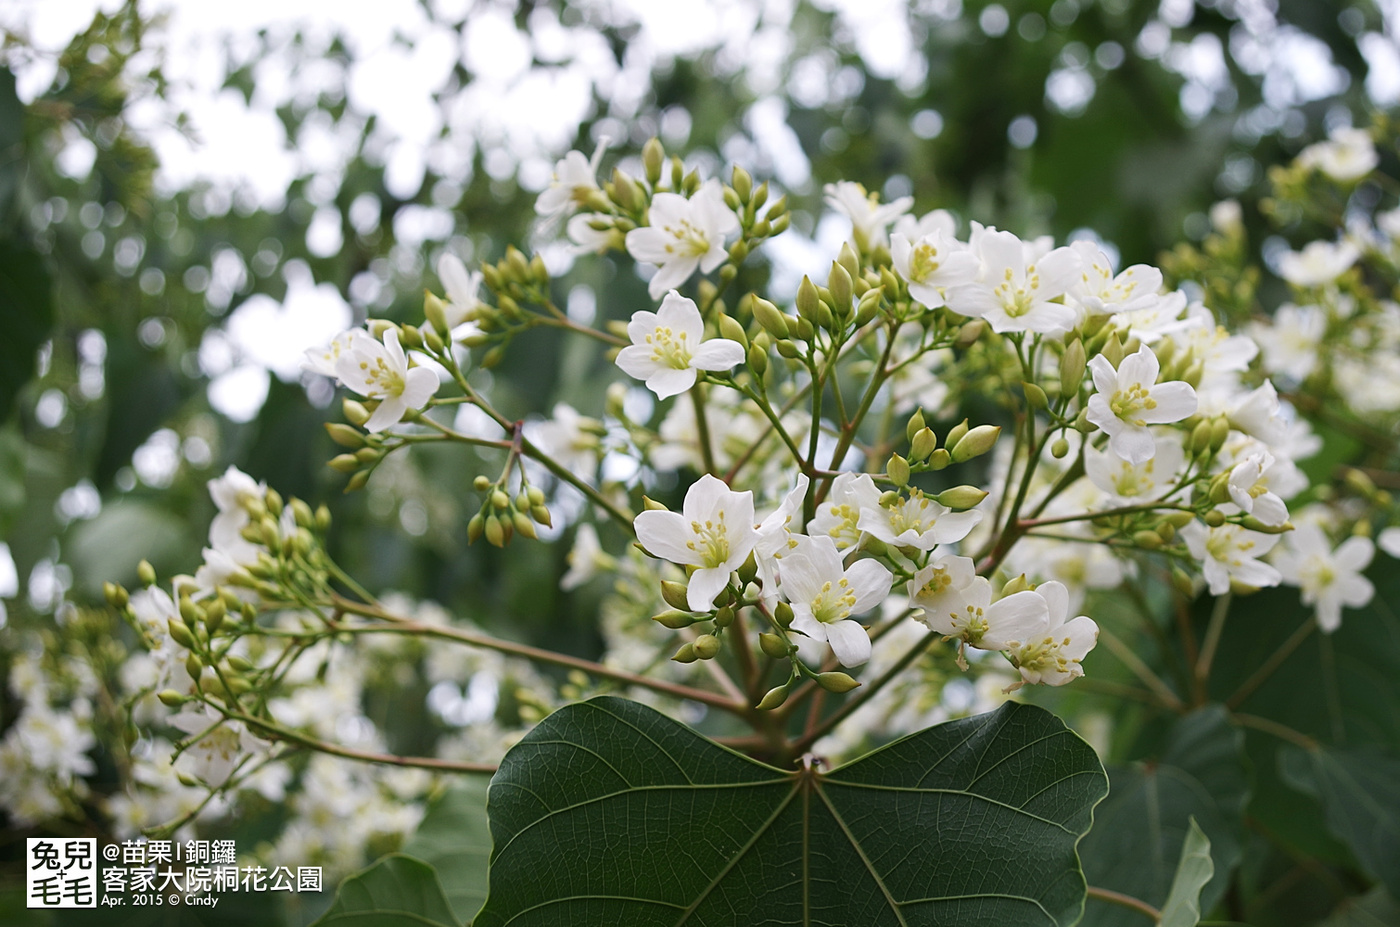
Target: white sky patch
point(276, 336)
point(1383, 68)
point(9, 576)
point(239, 394)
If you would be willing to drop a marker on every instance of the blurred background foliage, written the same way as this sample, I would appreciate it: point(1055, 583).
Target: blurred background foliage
point(134, 292)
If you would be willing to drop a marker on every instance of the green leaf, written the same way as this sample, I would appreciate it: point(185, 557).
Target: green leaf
point(397, 891)
point(1374, 909)
point(610, 813)
point(1193, 871)
point(1141, 830)
point(26, 295)
point(455, 839)
point(111, 545)
point(1360, 793)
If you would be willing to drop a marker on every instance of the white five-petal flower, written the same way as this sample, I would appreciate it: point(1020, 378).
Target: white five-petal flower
point(1015, 290)
point(667, 347)
point(1051, 656)
point(1130, 398)
point(969, 615)
point(379, 370)
point(683, 234)
point(932, 264)
point(713, 531)
point(918, 522)
point(1328, 578)
point(825, 595)
point(870, 219)
point(1231, 552)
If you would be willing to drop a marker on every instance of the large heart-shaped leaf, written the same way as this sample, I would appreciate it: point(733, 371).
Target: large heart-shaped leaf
point(1360, 792)
point(455, 840)
point(396, 891)
point(1142, 827)
point(610, 813)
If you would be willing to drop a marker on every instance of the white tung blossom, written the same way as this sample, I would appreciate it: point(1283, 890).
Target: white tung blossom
point(713, 531)
point(1130, 398)
point(668, 347)
point(826, 596)
point(1329, 579)
point(1052, 655)
point(683, 234)
point(1231, 553)
point(379, 370)
point(870, 219)
point(1016, 290)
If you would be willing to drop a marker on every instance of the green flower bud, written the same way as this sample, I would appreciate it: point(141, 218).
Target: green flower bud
point(541, 515)
point(961, 497)
point(499, 499)
point(732, 330)
point(180, 633)
point(344, 435)
point(706, 646)
point(742, 181)
point(674, 594)
point(748, 569)
point(970, 332)
point(686, 654)
point(651, 505)
point(939, 459)
point(955, 434)
point(1254, 524)
point(355, 412)
point(653, 160)
point(1219, 432)
point(768, 316)
point(1059, 449)
point(115, 595)
point(193, 665)
point(475, 527)
point(146, 573)
point(915, 425)
point(1113, 350)
point(975, 443)
point(1147, 540)
point(436, 313)
point(836, 682)
point(773, 645)
point(1214, 518)
point(788, 349)
point(240, 664)
point(923, 444)
point(524, 525)
point(760, 196)
point(898, 470)
point(868, 307)
point(171, 699)
point(724, 616)
point(675, 618)
point(782, 614)
point(848, 259)
point(758, 360)
point(839, 283)
point(1014, 585)
point(774, 699)
point(1072, 366)
point(807, 299)
point(495, 531)
point(1035, 396)
point(1199, 442)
